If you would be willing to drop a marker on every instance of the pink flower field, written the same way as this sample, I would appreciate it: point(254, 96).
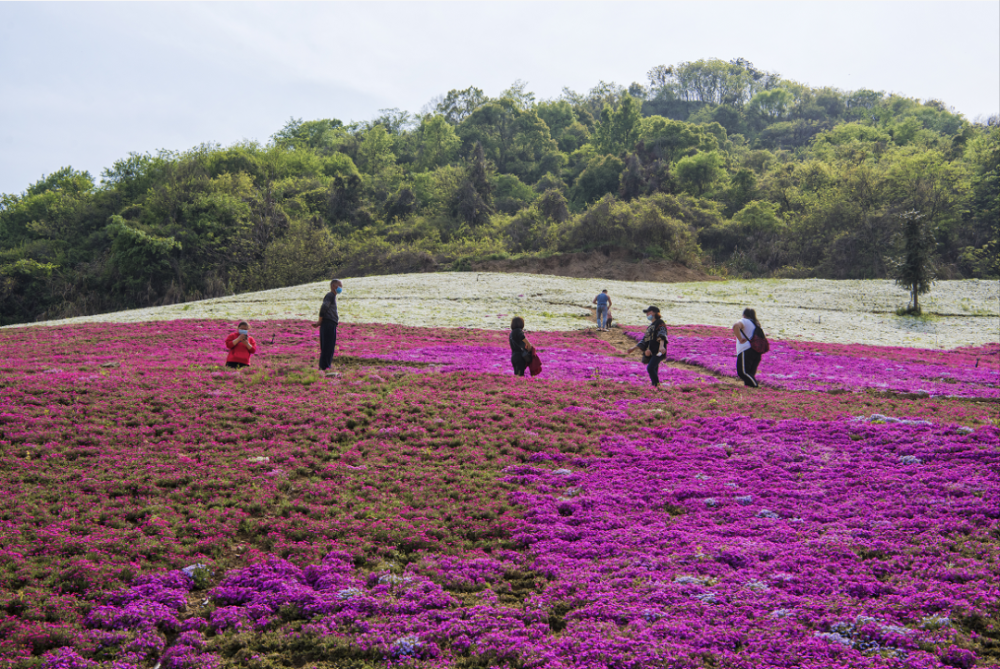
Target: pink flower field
point(425, 508)
point(794, 365)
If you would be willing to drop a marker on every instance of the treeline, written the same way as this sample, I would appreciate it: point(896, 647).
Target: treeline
point(710, 163)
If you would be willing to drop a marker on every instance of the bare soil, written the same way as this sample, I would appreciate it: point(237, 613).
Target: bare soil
point(616, 266)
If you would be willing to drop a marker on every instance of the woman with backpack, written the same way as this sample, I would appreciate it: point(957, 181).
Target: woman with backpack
point(520, 348)
point(747, 358)
point(653, 344)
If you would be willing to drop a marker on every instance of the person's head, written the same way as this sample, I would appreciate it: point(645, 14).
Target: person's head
point(243, 327)
point(517, 323)
point(652, 313)
point(750, 315)
point(336, 286)
point(605, 291)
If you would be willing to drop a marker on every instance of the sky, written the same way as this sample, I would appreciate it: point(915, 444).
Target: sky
point(84, 84)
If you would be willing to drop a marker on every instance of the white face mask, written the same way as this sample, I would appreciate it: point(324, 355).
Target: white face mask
point(650, 317)
point(244, 331)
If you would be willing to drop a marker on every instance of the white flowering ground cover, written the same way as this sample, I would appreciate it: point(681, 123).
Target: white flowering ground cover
point(957, 313)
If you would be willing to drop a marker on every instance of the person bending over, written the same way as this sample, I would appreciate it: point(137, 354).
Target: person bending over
point(603, 302)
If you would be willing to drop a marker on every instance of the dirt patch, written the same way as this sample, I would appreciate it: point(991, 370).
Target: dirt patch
point(615, 266)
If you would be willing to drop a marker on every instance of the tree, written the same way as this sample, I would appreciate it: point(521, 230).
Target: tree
point(619, 129)
point(457, 105)
point(515, 140)
point(915, 272)
point(698, 172)
point(600, 177)
point(631, 184)
point(376, 153)
point(670, 140)
point(438, 142)
point(552, 205)
point(323, 134)
point(771, 105)
point(474, 203)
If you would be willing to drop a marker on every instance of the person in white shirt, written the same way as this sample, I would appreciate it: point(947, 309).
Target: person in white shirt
point(747, 359)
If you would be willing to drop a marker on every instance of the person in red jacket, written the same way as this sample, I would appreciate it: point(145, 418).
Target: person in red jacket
point(241, 346)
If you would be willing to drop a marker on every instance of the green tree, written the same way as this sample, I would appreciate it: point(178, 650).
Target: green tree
point(438, 143)
point(915, 271)
point(375, 153)
point(324, 134)
point(619, 128)
point(671, 140)
point(516, 140)
point(700, 172)
point(600, 177)
point(474, 203)
point(458, 105)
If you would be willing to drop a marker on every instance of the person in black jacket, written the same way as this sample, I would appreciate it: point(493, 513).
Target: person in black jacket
point(520, 347)
point(327, 324)
point(653, 344)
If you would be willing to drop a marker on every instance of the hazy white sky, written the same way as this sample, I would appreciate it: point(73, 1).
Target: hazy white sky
point(83, 84)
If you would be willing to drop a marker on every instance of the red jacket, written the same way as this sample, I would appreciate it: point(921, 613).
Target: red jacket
point(239, 352)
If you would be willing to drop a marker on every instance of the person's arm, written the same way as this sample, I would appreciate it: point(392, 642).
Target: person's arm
point(251, 344)
point(594, 301)
point(738, 331)
point(319, 320)
point(231, 341)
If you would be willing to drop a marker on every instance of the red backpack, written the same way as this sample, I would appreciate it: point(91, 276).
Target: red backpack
point(759, 341)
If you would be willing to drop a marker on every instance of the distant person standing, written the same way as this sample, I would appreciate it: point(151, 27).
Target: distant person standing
point(241, 346)
point(747, 359)
point(520, 347)
point(327, 324)
point(653, 344)
point(603, 302)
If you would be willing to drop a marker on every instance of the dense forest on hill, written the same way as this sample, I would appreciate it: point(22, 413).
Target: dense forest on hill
point(709, 164)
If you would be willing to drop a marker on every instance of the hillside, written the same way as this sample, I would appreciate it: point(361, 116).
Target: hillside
point(956, 313)
point(709, 168)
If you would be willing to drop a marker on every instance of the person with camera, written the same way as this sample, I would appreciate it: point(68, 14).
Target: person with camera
point(327, 324)
point(241, 346)
point(653, 344)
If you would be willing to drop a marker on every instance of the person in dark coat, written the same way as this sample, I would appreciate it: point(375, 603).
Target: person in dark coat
point(520, 348)
point(327, 324)
point(653, 344)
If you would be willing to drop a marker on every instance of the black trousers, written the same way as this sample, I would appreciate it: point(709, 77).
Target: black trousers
point(236, 365)
point(519, 363)
point(746, 367)
point(653, 367)
point(327, 344)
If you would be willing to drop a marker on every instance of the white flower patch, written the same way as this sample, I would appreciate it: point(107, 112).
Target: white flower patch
point(820, 310)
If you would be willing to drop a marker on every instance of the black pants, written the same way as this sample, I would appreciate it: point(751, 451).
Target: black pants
point(327, 344)
point(746, 367)
point(236, 365)
point(519, 363)
point(653, 367)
